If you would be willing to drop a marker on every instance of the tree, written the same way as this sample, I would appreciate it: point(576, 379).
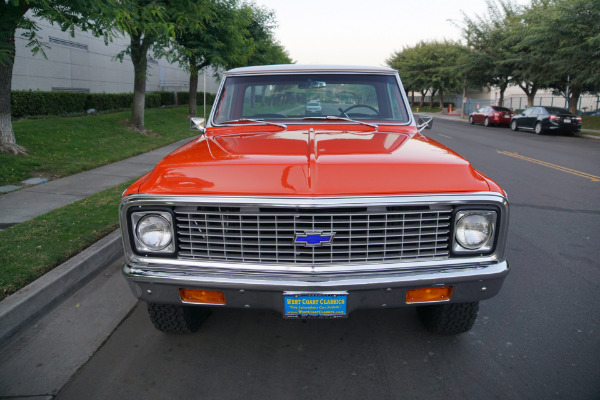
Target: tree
point(488, 65)
point(219, 43)
point(565, 34)
point(406, 62)
point(266, 50)
point(446, 74)
point(231, 37)
point(68, 14)
point(430, 66)
point(151, 24)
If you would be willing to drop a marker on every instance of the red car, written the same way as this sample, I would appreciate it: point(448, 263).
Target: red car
point(492, 115)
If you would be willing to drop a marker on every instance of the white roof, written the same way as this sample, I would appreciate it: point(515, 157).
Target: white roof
point(299, 68)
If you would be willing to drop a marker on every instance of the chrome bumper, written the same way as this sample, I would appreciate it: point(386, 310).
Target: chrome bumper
point(365, 290)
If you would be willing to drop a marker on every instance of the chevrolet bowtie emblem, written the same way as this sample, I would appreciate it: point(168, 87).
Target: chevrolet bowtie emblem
point(314, 239)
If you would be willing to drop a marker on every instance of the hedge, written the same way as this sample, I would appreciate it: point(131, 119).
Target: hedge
point(38, 103)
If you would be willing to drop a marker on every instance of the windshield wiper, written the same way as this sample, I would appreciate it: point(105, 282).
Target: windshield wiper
point(255, 121)
point(336, 118)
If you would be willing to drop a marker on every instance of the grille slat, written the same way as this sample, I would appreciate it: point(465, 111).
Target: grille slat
point(250, 234)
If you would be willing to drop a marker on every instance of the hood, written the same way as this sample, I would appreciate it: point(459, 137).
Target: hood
point(312, 161)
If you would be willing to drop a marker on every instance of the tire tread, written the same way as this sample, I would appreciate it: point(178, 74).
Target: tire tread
point(449, 319)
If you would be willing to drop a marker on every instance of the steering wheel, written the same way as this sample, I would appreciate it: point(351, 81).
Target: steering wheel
point(358, 106)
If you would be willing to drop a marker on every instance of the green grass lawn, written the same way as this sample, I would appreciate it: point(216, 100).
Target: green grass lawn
point(32, 248)
point(64, 146)
point(590, 122)
point(426, 109)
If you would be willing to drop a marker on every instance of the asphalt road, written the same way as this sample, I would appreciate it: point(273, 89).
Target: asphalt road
point(538, 339)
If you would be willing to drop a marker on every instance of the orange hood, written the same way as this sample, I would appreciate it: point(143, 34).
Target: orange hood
point(309, 160)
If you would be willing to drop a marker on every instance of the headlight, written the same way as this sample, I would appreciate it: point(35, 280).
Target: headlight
point(474, 231)
point(153, 232)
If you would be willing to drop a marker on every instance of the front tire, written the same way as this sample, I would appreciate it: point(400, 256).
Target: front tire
point(449, 319)
point(471, 120)
point(514, 126)
point(171, 318)
point(486, 122)
point(538, 128)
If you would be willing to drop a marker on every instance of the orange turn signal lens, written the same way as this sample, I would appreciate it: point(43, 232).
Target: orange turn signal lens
point(425, 295)
point(202, 296)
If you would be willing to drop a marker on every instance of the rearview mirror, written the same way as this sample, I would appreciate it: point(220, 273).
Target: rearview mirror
point(424, 122)
point(310, 84)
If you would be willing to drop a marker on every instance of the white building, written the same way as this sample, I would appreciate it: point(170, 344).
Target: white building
point(84, 63)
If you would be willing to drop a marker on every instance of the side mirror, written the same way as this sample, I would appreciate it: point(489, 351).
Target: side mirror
point(424, 122)
point(197, 124)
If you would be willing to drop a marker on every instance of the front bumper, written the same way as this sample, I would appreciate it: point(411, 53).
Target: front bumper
point(366, 290)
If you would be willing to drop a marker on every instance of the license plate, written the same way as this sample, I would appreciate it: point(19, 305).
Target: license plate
point(567, 120)
point(315, 305)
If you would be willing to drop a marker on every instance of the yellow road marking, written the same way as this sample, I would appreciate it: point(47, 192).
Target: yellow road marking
point(593, 178)
point(449, 137)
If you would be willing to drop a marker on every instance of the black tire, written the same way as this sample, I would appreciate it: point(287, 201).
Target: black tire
point(486, 122)
point(449, 319)
point(171, 318)
point(514, 126)
point(471, 120)
point(538, 128)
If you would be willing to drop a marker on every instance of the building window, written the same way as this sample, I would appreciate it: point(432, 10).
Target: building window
point(67, 43)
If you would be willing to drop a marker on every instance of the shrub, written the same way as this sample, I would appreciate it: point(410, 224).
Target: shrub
point(30, 103)
point(108, 101)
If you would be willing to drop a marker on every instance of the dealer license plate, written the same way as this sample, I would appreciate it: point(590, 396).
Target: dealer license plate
point(315, 305)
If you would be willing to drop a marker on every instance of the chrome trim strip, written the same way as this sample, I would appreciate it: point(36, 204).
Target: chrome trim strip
point(356, 281)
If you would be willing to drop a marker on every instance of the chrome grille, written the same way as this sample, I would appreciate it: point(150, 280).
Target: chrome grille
point(266, 234)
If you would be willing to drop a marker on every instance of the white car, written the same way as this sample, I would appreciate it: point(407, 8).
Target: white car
point(313, 107)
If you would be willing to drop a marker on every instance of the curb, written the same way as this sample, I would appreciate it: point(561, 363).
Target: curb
point(20, 308)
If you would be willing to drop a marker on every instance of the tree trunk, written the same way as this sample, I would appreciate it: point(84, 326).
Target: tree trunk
point(502, 88)
point(8, 142)
point(441, 99)
point(574, 99)
point(433, 92)
point(530, 90)
point(422, 101)
point(139, 57)
point(193, 104)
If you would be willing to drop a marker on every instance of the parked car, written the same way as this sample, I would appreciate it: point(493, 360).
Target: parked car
point(546, 119)
point(492, 115)
point(314, 216)
point(313, 107)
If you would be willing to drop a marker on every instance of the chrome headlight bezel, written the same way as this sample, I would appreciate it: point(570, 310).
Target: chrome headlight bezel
point(487, 221)
point(143, 247)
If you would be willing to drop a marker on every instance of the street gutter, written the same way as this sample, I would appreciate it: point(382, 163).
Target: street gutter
point(35, 299)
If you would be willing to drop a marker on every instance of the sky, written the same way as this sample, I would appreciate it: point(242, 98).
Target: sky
point(365, 32)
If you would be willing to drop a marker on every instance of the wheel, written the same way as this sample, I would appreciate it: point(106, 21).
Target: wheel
point(471, 120)
point(177, 319)
point(449, 319)
point(513, 125)
point(486, 122)
point(538, 128)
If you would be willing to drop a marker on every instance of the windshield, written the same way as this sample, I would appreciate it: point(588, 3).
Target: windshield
point(292, 98)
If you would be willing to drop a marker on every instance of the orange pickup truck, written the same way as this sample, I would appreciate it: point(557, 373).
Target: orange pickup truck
point(314, 213)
